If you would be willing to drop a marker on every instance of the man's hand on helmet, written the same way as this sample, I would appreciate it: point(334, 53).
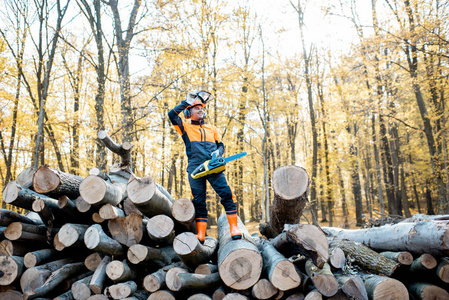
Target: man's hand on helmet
point(191, 97)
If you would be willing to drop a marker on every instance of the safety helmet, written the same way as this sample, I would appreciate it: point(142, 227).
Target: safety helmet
point(197, 102)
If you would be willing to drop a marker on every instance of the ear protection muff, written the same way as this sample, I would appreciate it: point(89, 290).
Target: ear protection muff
point(187, 113)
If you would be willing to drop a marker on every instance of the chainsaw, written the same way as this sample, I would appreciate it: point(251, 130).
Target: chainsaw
point(215, 165)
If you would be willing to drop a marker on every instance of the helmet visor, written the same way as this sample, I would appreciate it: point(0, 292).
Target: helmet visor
point(205, 96)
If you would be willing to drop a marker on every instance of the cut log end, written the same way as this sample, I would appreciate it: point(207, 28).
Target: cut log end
point(11, 192)
point(93, 189)
point(428, 261)
point(172, 279)
point(185, 243)
point(183, 210)
point(160, 226)
point(290, 182)
point(241, 268)
point(141, 190)
point(137, 253)
point(10, 269)
point(389, 287)
point(45, 180)
point(92, 237)
point(285, 276)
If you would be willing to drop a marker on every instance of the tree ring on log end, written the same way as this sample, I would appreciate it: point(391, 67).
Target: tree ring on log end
point(141, 190)
point(241, 269)
point(387, 288)
point(285, 276)
point(93, 190)
point(172, 279)
point(115, 269)
point(160, 226)
point(184, 244)
point(290, 182)
point(183, 210)
point(13, 231)
point(9, 270)
point(92, 237)
point(45, 180)
point(10, 192)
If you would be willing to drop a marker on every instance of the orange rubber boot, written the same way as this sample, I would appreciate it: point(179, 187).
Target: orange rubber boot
point(201, 231)
point(235, 231)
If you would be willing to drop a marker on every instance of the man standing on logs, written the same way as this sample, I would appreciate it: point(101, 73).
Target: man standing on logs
point(203, 142)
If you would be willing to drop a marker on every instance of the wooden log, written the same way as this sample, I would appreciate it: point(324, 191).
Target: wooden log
point(139, 295)
point(162, 295)
point(281, 272)
point(109, 212)
point(55, 183)
point(199, 296)
point(55, 278)
point(92, 261)
point(183, 212)
point(337, 258)
point(57, 244)
point(313, 295)
point(124, 150)
point(18, 248)
point(417, 237)
point(65, 296)
point(149, 197)
point(45, 213)
point(99, 277)
point(35, 277)
point(120, 271)
point(382, 287)
point(96, 191)
point(340, 295)
point(239, 261)
point(32, 259)
point(122, 290)
point(80, 289)
point(151, 256)
point(191, 252)
point(129, 207)
point(295, 296)
point(156, 280)
point(18, 231)
point(97, 218)
point(11, 268)
point(352, 286)
point(423, 263)
point(11, 295)
point(427, 291)
point(263, 289)
point(178, 279)
point(81, 205)
point(127, 230)
point(206, 269)
point(443, 270)
point(99, 173)
point(403, 257)
point(98, 297)
point(304, 239)
point(219, 293)
point(19, 196)
point(290, 186)
point(72, 235)
point(161, 230)
point(323, 279)
point(25, 178)
point(7, 217)
point(235, 296)
point(68, 207)
point(96, 240)
point(365, 257)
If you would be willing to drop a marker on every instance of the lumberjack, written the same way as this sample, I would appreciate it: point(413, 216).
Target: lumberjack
point(203, 143)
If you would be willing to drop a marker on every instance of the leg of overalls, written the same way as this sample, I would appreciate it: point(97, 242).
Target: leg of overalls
point(198, 188)
point(218, 182)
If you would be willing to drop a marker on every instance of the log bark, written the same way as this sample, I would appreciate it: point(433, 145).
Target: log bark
point(7, 217)
point(55, 278)
point(151, 256)
point(382, 287)
point(11, 269)
point(68, 207)
point(365, 257)
point(18, 231)
point(178, 279)
point(290, 186)
point(96, 191)
point(156, 281)
point(109, 212)
point(403, 257)
point(352, 286)
point(304, 239)
point(183, 212)
point(17, 248)
point(122, 290)
point(323, 279)
point(417, 237)
point(72, 235)
point(96, 240)
point(32, 259)
point(99, 277)
point(427, 291)
point(161, 230)
point(127, 230)
point(191, 252)
point(55, 183)
point(150, 198)
point(19, 196)
point(120, 271)
point(281, 272)
point(263, 289)
point(239, 261)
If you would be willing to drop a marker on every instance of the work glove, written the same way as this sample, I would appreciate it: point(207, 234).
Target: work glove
point(215, 154)
point(191, 97)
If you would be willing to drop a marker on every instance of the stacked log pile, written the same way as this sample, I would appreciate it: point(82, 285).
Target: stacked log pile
point(117, 236)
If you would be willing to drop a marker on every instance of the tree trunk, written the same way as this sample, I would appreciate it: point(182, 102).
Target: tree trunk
point(178, 281)
point(8, 216)
point(80, 288)
point(96, 240)
point(55, 183)
point(239, 261)
point(96, 284)
point(193, 253)
point(32, 259)
point(17, 231)
point(291, 187)
point(417, 238)
point(96, 191)
point(109, 212)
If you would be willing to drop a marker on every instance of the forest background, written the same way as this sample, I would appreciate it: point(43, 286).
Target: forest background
point(353, 91)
